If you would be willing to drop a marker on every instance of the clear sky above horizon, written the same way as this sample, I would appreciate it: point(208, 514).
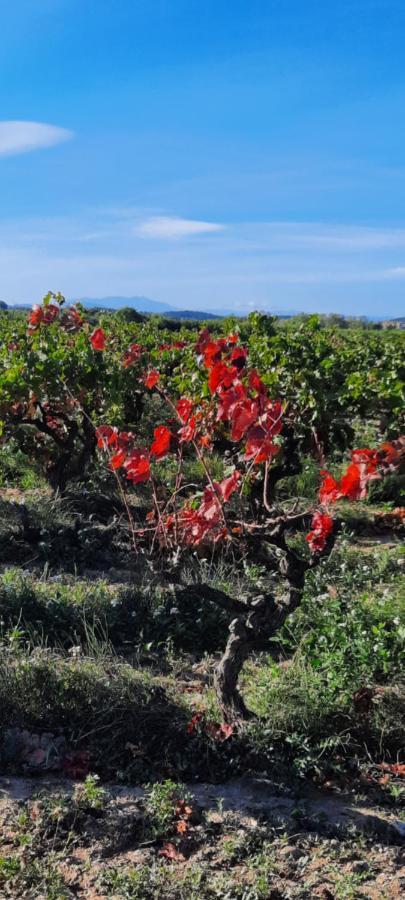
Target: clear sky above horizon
point(205, 154)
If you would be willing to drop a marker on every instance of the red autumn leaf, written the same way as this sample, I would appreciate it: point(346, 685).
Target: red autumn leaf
point(255, 382)
point(395, 768)
point(107, 436)
point(213, 352)
point(71, 319)
point(243, 416)
point(35, 317)
point(229, 399)
point(353, 484)
point(238, 357)
point(329, 491)
point(184, 408)
point(169, 851)
point(229, 485)
point(221, 375)
point(161, 443)
point(322, 527)
point(391, 452)
point(98, 339)
point(350, 485)
point(259, 447)
point(50, 313)
point(210, 509)
point(151, 379)
point(192, 725)
point(131, 355)
point(367, 463)
point(137, 466)
point(220, 732)
point(366, 457)
point(187, 433)
point(203, 339)
point(259, 439)
point(117, 460)
point(226, 730)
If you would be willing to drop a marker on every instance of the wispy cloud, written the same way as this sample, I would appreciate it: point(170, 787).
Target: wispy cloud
point(351, 238)
point(168, 227)
point(21, 136)
point(395, 272)
point(267, 265)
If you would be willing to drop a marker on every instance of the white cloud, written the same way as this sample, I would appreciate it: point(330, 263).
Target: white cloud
point(170, 227)
point(396, 272)
point(252, 265)
point(21, 137)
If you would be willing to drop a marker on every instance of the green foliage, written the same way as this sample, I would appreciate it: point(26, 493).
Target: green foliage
point(348, 633)
point(17, 469)
point(161, 801)
point(329, 375)
point(354, 631)
point(70, 612)
point(100, 703)
point(158, 880)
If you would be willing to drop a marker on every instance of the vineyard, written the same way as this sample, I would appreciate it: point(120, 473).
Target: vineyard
point(201, 584)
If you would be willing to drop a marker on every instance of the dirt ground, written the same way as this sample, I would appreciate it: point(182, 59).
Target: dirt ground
point(246, 838)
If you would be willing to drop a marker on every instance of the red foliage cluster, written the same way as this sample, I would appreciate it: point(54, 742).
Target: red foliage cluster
point(240, 402)
point(193, 525)
point(246, 407)
point(151, 379)
point(98, 339)
point(131, 355)
point(217, 731)
point(322, 527)
point(162, 439)
point(42, 315)
point(69, 319)
point(243, 405)
point(120, 446)
point(366, 466)
point(169, 851)
point(178, 345)
point(183, 813)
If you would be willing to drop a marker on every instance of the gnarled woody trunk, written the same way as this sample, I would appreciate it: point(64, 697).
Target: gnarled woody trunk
point(264, 618)
point(255, 622)
point(228, 671)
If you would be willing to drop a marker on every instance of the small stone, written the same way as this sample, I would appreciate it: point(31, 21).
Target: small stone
point(291, 851)
point(360, 866)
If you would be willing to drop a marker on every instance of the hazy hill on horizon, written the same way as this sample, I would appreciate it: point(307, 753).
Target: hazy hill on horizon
point(146, 305)
point(140, 303)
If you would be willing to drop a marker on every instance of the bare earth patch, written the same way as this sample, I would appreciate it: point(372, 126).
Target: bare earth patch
point(249, 838)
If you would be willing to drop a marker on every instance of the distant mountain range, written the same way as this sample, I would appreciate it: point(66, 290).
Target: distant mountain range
point(142, 304)
point(146, 305)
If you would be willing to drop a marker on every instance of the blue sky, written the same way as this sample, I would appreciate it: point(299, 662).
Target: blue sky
point(244, 154)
